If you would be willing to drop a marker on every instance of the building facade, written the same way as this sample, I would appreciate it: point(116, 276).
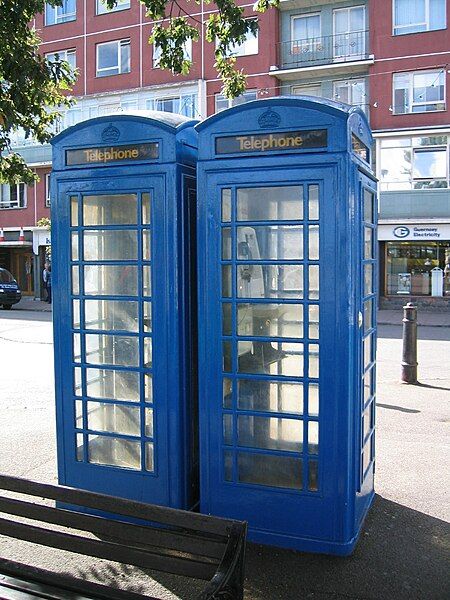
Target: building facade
point(390, 58)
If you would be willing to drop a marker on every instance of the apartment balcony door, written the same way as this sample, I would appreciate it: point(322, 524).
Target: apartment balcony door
point(349, 26)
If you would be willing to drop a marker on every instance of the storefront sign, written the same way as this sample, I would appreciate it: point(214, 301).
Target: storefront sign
point(272, 142)
point(106, 154)
point(40, 238)
point(415, 232)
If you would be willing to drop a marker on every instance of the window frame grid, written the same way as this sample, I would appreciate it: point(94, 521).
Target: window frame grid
point(101, 71)
point(427, 29)
point(411, 102)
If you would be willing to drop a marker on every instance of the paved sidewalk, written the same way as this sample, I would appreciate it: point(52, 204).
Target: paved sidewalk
point(29, 303)
point(425, 318)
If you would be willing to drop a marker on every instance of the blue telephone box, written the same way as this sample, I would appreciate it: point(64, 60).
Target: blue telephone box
point(287, 289)
point(123, 244)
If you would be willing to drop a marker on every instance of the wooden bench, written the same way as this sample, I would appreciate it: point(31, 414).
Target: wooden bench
point(171, 541)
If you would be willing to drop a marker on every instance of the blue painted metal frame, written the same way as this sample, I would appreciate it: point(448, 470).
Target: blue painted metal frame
point(170, 179)
point(327, 520)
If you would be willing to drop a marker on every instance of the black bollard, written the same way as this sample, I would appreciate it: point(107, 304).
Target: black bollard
point(409, 354)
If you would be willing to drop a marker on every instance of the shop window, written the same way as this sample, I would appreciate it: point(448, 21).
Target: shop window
point(419, 91)
point(101, 7)
point(47, 189)
point(66, 55)
point(61, 14)
point(13, 196)
point(222, 103)
point(113, 58)
point(418, 16)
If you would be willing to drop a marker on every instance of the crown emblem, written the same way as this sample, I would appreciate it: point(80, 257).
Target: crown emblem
point(110, 134)
point(269, 119)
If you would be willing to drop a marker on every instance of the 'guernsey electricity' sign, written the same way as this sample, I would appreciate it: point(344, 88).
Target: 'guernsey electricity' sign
point(272, 142)
point(88, 156)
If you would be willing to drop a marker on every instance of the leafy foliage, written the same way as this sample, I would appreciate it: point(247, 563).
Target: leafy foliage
point(33, 91)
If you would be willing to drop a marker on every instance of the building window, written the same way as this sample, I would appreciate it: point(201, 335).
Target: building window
point(420, 91)
point(305, 33)
point(246, 48)
point(67, 55)
point(187, 53)
point(418, 15)
point(113, 58)
point(414, 163)
point(101, 7)
point(185, 104)
point(349, 32)
point(351, 92)
point(13, 196)
point(307, 90)
point(61, 14)
point(222, 103)
point(47, 189)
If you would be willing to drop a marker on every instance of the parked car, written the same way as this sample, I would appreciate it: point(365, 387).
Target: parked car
point(9, 289)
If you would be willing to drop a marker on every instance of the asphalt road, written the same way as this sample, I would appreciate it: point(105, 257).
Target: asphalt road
point(404, 548)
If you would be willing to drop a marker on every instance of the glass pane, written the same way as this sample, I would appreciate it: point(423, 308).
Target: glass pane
point(226, 205)
point(80, 446)
point(313, 291)
point(76, 345)
point(146, 213)
point(368, 318)
point(146, 245)
point(78, 414)
point(368, 242)
point(367, 350)
point(147, 318)
point(228, 429)
point(76, 314)
point(367, 383)
point(227, 390)
point(270, 203)
point(226, 243)
point(313, 399)
point(313, 477)
point(115, 385)
point(149, 456)
point(228, 466)
point(148, 384)
point(226, 281)
point(313, 360)
point(114, 418)
point(313, 202)
point(227, 364)
point(270, 281)
point(113, 451)
point(75, 280)
point(147, 280)
point(118, 315)
point(368, 279)
point(266, 469)
point(112, 350)
point(110, 245)
point(75, 253)
point(74, 211)
point(77, 381)
point(313, 329)
point(268, 242)
point(271, 358)
point(149, 422)
point(313, 437)
point(111, 209)
point(270, 433)
point(270, 320)
point(148, 352)
point(368, 206)
point(226, 318)
point(270, 396)
point(114, 280)
point(313, 253)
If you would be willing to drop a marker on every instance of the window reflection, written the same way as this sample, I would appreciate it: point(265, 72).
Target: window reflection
point(270, 242)
point(269, 281)
point(281, 203)
point(270, 320)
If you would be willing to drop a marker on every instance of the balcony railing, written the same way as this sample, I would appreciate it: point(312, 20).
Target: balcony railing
point(329, 49)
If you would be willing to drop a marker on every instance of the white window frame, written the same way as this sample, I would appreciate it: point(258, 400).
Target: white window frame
point(309, 44)
point(63, 55)
point(232, 101)
point(17, 204)
point(102, 71)
point(349, 32)
point(304, 88)
point(47, 190)
point(412, 104)
point(239, 50)
point(350, 83)
point(426, 22)
point(121, 5)
point(65, 18)
point(187, 53)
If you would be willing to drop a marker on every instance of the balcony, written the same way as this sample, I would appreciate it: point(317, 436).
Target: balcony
point(342, 52)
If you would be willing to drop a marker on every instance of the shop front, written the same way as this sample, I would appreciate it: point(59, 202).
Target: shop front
point(415, 262)
point(17, 257)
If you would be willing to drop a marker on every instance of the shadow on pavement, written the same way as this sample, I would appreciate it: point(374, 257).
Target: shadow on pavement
point(402, 554)
point(399, 408)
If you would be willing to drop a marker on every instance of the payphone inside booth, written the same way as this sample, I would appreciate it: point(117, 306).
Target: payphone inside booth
point(123, 244)
point(286, 245)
